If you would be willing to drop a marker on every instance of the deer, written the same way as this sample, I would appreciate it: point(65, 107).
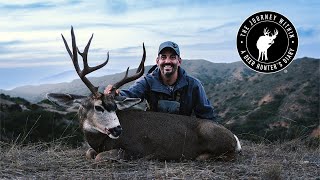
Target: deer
point(264, 42)
point(115, 131)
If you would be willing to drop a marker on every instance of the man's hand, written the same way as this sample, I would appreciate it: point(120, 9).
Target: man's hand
point(108, 89)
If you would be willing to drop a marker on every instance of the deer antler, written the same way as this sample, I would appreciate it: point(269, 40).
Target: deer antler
point(266, 31)
point(127, 79)
point(86, 68)
point(275, 32)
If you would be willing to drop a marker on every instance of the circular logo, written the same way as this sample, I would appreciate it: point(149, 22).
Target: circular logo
point(267, 42)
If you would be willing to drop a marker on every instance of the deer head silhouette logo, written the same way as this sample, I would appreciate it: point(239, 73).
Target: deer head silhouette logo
point(264, 42)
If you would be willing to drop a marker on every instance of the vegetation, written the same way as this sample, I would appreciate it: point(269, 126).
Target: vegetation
point(17, 100)
point(250, 102)
point(280, 106)
point(276, 112)
point(36, 124)
point(290, 160)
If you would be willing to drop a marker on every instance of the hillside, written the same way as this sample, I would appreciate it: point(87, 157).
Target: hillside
point(23, 122)
point(279, 111)
point(283, 105)
point(280, 105)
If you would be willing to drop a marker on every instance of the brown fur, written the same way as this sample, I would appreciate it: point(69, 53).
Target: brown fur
point(145, 134)
point(165, 137)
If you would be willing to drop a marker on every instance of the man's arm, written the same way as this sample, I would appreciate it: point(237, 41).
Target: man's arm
point(137, 90)
point(203, 108)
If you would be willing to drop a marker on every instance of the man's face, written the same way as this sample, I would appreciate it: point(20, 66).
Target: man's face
point(168, 62)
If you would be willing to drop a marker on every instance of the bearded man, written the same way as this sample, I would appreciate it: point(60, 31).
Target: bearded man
point(168, 88)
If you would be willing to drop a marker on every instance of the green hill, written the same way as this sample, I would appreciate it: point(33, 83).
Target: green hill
point(283, 105)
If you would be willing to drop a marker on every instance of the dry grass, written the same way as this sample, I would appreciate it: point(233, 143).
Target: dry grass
point(290, 160)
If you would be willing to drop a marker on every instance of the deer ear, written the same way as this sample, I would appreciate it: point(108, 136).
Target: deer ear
point(70, 101)
point(125, 103)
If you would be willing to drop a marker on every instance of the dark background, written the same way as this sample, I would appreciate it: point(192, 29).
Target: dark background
point(276, 50)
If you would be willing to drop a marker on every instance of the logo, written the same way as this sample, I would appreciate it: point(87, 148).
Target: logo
point(267, 42)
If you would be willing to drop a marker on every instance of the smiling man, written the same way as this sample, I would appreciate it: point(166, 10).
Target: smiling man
point(168, 88)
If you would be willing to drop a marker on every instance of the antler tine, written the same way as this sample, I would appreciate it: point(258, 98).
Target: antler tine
point(275, 32)
point(66, 45)
point(266, 31)
point(142, 61)
point(84, 54)
point(86, 70)
point(138, 74)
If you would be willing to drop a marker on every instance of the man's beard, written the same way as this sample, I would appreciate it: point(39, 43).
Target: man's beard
point(168, 74)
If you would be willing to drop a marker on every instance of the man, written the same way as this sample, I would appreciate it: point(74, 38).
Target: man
point(168, 88)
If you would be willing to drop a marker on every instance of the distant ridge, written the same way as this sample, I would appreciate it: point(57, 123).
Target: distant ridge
point(268, 105)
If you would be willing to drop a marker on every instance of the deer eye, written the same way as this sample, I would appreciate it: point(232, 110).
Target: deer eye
point(111, 107)
point(98, 108)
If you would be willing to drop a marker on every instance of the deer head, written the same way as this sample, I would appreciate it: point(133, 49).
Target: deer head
point(97, 113)
point(269, 36)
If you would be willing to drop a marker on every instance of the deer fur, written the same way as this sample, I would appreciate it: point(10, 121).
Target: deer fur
point(152, 135)
point(113, 132)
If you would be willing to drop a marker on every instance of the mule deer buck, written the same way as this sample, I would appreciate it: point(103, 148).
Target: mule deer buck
point(264, 42)
point(116, 133)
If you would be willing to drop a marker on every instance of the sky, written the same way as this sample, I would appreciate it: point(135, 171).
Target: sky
point(32, 51)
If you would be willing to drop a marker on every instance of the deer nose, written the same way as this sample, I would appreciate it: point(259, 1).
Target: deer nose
point(116, 131)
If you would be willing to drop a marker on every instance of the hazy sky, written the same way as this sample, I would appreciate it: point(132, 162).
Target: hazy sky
point(32, 51)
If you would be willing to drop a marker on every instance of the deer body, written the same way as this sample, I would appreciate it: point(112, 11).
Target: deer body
point(264, 42)
point(114, 132)
point(165, 137)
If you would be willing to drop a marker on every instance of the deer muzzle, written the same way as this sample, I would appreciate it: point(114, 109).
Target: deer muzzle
point(115, 132)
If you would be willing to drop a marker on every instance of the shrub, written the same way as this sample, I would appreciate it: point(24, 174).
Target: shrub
point(40, 126)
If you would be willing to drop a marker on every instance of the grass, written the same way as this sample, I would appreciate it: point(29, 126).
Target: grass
point(290, 160)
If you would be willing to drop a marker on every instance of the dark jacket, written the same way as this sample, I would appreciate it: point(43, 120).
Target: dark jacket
point(188, 91)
